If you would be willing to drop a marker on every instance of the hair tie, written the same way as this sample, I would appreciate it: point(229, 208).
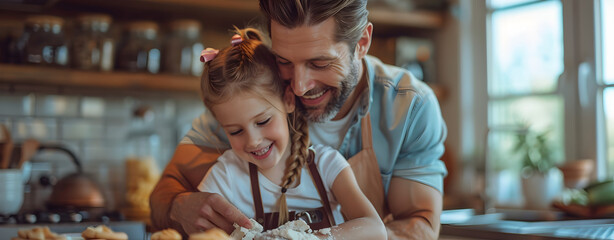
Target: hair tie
point(235, 40)
point(283, 190)
point(208, 54)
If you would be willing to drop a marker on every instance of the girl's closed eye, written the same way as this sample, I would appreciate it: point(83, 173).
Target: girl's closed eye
point(235, 132)
point(264, 122)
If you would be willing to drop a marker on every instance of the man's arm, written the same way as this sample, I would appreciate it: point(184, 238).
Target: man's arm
point(176, 202)
point(182, 175)
point(416, 209)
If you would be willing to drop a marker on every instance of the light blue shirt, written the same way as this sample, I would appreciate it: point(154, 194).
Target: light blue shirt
point(407, 127)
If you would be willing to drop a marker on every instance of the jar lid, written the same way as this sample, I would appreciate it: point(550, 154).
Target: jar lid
point(95, 21)
point(146, 29)
point(184, 24)
point(44, 20)
point(186, 27)
point(142, 26)
point(94, 17)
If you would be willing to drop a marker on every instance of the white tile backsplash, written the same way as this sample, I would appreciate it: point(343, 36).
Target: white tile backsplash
point(16, 104)
point(57, 105)
point(92, 107)
point(86, 129)
point(37, 128)
point(95, 129)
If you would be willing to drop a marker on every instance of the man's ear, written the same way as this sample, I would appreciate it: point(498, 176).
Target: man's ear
point(289, 99)
point(364, 43)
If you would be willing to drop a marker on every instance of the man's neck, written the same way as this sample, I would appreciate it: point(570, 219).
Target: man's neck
point(360, 87)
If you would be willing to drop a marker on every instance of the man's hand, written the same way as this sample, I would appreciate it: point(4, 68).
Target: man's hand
point(198, 211)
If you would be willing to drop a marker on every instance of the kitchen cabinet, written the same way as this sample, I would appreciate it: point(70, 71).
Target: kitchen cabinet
point(214, 14)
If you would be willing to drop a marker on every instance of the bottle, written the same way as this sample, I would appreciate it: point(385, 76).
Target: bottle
point(43, 41)
point(92, 47)
point(182, 48)
point(139, 49)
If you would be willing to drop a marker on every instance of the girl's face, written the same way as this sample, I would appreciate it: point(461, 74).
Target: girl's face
point(257, 128)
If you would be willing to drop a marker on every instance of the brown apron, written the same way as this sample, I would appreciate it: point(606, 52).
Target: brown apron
point(316, 218)
point(366, 170)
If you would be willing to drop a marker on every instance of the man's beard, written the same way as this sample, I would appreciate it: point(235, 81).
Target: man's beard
point(339, 96)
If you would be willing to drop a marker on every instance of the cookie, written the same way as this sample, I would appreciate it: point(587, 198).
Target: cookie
point(211, 234)
point(166, 234)
point(103, 232)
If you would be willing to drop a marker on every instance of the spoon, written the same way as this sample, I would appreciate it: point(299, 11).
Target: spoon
point(28, 149)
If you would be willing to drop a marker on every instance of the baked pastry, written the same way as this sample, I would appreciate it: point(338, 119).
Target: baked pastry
point(38, 233)
point(166, 234)
point(211, 234)
point(103, 232)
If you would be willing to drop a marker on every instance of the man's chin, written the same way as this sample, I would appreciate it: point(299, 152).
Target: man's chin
point(318, 114)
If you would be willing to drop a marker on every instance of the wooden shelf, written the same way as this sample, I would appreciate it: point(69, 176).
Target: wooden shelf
point(35, 75)
point(412, 19)
point(247, 9)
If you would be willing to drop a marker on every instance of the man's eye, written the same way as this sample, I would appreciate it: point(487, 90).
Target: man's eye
point(263, 122)
point(235, 132)
point(282, 62)
point(320, 65)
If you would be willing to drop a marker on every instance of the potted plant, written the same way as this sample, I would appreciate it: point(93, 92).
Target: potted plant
point(541, 180)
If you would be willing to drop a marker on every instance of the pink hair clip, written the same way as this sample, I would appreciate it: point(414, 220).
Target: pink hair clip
point(208, 54)
point(236, 39)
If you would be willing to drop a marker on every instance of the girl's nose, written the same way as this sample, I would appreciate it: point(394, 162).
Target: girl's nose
point(254, 139)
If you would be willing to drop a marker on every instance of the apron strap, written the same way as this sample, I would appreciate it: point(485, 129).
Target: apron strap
point(253, 175)
point(315, 175)
point(367, 139)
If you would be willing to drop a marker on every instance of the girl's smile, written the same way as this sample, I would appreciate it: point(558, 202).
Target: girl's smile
point(257, 128)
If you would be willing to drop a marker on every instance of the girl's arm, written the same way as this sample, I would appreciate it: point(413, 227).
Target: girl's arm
point(363, 220)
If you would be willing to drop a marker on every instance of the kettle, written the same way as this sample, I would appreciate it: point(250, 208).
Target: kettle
point(75, 191)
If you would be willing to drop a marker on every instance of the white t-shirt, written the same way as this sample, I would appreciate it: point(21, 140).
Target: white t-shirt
point(229, 177)
point(331, 133)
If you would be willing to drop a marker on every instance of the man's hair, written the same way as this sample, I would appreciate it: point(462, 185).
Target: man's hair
point(350, 16)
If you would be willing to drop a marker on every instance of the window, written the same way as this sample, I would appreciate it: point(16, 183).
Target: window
point(549, 66)
point(607, 77)
point(525, 62)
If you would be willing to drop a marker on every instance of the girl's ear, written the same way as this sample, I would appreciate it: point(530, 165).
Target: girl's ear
point(289, 99)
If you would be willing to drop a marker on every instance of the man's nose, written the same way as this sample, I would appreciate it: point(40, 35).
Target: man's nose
point(301, 83)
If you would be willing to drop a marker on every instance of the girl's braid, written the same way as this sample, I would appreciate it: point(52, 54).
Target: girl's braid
point(298, 158)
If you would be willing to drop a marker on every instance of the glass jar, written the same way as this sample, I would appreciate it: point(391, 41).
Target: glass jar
point(142, 171)
point(139, 49)
point(92, 47)
point(182, 48)
point(43, 41)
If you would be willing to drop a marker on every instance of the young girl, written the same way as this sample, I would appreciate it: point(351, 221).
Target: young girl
point(271, 173)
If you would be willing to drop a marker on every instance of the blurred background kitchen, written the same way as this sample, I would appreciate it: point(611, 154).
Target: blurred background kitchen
point(107, 88)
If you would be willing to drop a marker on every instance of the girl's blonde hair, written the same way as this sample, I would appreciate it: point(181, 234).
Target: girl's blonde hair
point(250, 67)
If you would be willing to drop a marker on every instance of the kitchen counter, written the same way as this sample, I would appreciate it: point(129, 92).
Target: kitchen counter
point(134, 230)
point(498, 226)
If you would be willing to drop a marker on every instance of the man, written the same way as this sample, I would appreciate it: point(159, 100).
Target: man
point(358, 105)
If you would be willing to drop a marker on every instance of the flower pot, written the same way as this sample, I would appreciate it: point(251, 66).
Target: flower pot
point(577, 174)
point(540, 189)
